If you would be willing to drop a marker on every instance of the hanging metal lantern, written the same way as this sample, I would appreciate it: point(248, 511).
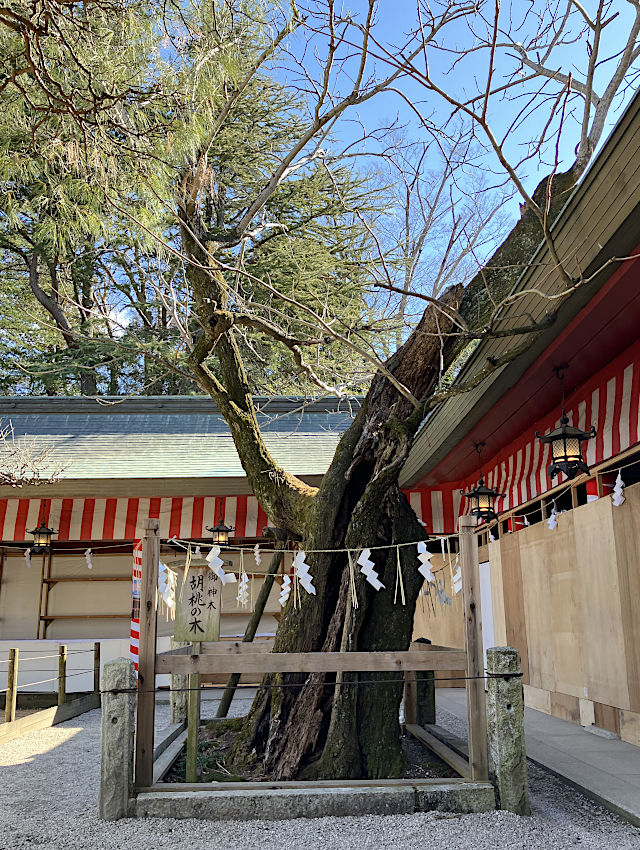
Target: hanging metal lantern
point(482, 499)
point(221, 533)
point(481, 496)
point(566, 448)
point(41, 539)
point(566, 441)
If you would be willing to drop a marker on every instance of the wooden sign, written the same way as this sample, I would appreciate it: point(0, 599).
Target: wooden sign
point(198, 607)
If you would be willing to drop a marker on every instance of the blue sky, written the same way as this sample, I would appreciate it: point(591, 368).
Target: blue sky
point(398, 17)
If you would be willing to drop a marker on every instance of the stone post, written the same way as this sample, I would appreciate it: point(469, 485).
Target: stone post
point(116, 739)
point(505, 727)
point(178, 693)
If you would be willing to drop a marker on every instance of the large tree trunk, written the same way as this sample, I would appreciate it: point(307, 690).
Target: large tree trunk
point(346, 726)
point(309, 727)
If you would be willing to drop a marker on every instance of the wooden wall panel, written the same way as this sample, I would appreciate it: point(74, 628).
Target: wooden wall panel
point(566, 707)
point(537, 698)
point(515, 596)
point(497, 594)
point(441, 624)
point(607, 717)
point(626, 528)
point(564, 608)
point(599, 592)
point(569, 600)
point(630, 727)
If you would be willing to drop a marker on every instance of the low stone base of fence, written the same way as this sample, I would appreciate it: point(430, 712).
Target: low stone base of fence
point(341, 800)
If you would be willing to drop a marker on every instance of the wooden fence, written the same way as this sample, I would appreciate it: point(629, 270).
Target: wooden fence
point(65, 709)
point(238, 657)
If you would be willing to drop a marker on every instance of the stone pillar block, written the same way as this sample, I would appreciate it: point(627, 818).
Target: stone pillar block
point(178, 694)
point(505, 726)
point(116, 738)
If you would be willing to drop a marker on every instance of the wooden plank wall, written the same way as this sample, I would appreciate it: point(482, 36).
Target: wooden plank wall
point(441, 624)
point(568, 600)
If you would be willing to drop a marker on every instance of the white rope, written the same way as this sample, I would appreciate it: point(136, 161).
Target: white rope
point(241, 549)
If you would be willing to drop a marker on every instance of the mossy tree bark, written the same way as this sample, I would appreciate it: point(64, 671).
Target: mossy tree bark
point(347, 725)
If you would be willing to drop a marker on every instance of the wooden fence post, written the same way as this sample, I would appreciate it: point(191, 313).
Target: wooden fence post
point(96, 667)
point(252, 626)
point(419, 692)
point(476, 705)
point(62, 674)
point(147, 654)
point(193, 722)
point(410, 697)
point(12, 687)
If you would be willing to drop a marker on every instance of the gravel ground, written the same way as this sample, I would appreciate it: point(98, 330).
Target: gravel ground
point(49, 791)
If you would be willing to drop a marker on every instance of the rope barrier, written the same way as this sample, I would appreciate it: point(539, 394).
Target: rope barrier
point(45, 681)
point(42, 682)
point(48, 670)
point(43, 657)
point(355, 683)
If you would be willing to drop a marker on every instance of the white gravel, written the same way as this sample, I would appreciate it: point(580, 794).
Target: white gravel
point(49, 787)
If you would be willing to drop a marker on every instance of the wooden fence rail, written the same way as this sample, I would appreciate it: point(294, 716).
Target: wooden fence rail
point(67, 707)
point(311, 662)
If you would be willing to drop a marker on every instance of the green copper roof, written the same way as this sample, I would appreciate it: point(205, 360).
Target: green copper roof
point(171, 437)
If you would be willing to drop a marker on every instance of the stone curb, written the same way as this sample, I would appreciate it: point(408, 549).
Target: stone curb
point(289, 803)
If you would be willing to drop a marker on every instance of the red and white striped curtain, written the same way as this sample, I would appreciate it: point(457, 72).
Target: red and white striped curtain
point(610, 400)
point(136, 593)
point(88, 520)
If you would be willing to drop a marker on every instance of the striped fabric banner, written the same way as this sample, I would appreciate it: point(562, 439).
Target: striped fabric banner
point(610, 400)
point(185, 517)
point(136, 594)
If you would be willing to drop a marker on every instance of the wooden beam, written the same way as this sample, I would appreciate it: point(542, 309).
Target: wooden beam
point(147, 654)
point(51, 617)
point(39, 621)
point(165, 761)
point(96, 667)
point(476, 705)
point(45, 609)
point(449, 756)
point(237, 648)
point(86, 579)
point(225, 787)
point(62, 674)
point(48, 717)
point(311, 662)
point(193, 724)
point(12, 687)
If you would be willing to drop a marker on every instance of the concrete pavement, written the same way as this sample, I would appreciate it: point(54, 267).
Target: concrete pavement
point(603, 768)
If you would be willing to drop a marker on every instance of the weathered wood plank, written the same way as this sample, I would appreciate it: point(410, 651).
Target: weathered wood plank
point(62, 674)
point(12, 686)
point(193, 722)
point(147, 654)
point(626, 533)
point(96, 667)
point(237, 647)
point(48, 717)
point(312, 662)
point(449, 756)
point(166, 737)
point(511, 549)
point(165, 760)
point(224, 787)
